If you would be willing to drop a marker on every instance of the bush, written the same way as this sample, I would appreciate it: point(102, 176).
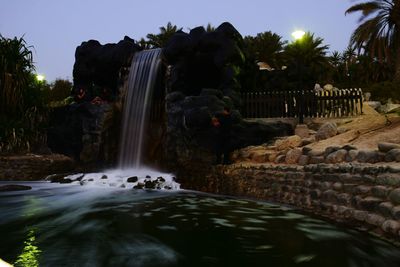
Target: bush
point(383, 91)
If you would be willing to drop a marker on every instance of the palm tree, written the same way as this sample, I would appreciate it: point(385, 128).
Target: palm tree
point(306, 61)
point(161, 39)
point(378, 34)
point(265, 47)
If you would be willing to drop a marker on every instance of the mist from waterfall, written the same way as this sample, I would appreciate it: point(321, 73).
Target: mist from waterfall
point(142, 77)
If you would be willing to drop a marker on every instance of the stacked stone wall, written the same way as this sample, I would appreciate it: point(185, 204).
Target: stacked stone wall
point(365, 196)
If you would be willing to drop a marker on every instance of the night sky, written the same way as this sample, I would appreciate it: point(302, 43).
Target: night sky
point(56, 27)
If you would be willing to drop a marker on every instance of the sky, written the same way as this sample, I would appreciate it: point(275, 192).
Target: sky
point(56, 27)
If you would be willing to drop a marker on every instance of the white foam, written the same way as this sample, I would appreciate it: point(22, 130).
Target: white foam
point(118, 178)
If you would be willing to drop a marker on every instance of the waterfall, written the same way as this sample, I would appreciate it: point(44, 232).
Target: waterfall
point(137, 104)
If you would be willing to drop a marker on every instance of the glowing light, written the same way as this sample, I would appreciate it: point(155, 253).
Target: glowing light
point(297, 35)
point(40, 78)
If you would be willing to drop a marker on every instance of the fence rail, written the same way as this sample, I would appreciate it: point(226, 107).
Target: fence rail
point(302, 103)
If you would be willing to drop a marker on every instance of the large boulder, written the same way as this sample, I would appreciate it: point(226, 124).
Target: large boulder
point(327, 130)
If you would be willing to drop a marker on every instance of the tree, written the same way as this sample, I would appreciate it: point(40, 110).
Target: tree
point(306, 61)
point(16, 65)
point(378, 34)
point(265, 47)
point(161, 39)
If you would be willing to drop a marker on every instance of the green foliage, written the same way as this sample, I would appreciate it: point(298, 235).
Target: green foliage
point(306, 61)
point(378, 35)
point(30, 253)
point(23, 102)
point(384, 90)
point(161, 39)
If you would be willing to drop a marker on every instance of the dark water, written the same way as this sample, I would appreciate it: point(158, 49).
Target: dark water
point(71, 225)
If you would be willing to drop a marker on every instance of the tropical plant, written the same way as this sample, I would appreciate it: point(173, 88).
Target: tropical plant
point(16, 65)
point(161, 39)
point(378, 34)
point(306, 61)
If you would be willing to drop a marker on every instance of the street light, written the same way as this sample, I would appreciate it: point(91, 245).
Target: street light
point(297, 35)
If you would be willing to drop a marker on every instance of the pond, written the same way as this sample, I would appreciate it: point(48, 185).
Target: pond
point(74, 225)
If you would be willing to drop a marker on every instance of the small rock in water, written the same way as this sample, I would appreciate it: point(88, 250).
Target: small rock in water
point(167, 187)
point(104, 176)
point(138, 186)
point(90, 180)
point(160, 179)
point(150, 184)
point(14, 187)
point(123, 186)
point(148, 176)
point(65, 181)
point(133, 179)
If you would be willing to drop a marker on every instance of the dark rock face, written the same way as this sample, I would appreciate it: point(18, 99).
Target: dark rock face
point(98, 69)
point(201, 81)
point(87, 132)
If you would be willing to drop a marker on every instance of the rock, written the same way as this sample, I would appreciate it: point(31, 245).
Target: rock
point(374, 219)
point(132, 179)
point(289, 142)
point(395, 212)
point(139, 186)
point(391, 226)
point(326, 131)
point(302, 131)
point(337, 156)
point(316, 160)
point(394, 196)
point(104, 176)
point(386, 147)
point(386, 209)
point(390, 179)
point(14, 187)
point(307, 141)
point(160, 179)
point(370, 203)
point(331, 149)
point(293, 155)
point(380, 191)
point(393, 155)
point(148, 177)
point(373, 104)
point(349, 147)
point(360, 215)
point(150, 184)
point(280, 159)
point(341, 130)
point(368, 156)
point(65, 181)
point(351, 155)
point(303, 160)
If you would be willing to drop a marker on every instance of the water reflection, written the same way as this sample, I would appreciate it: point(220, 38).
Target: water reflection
point(80, 226)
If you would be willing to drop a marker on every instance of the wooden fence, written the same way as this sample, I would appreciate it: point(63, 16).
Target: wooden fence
point(302, 103)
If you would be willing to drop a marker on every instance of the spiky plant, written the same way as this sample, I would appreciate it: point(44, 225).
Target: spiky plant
point(378, 34)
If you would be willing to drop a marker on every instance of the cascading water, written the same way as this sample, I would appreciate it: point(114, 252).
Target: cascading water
point(143, 73)
point(130, 172)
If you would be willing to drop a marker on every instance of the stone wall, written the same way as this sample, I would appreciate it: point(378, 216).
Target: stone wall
point(33, 167)
point(363, 195)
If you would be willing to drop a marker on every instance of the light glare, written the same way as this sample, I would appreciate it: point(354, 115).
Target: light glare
point(298, 34)
point(40, 77)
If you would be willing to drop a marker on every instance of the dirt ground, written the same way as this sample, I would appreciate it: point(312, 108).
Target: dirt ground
point(364, 131)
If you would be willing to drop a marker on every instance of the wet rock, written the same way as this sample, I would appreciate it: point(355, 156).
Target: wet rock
point(148, 177)
point(56, 178)
point(14, 187)
point(139, 186)
point(65, 181)
point(150, 184)
point(104, 176)
point(132, 179)
point(327, 130)
point(386, 147)
point(160, 179)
